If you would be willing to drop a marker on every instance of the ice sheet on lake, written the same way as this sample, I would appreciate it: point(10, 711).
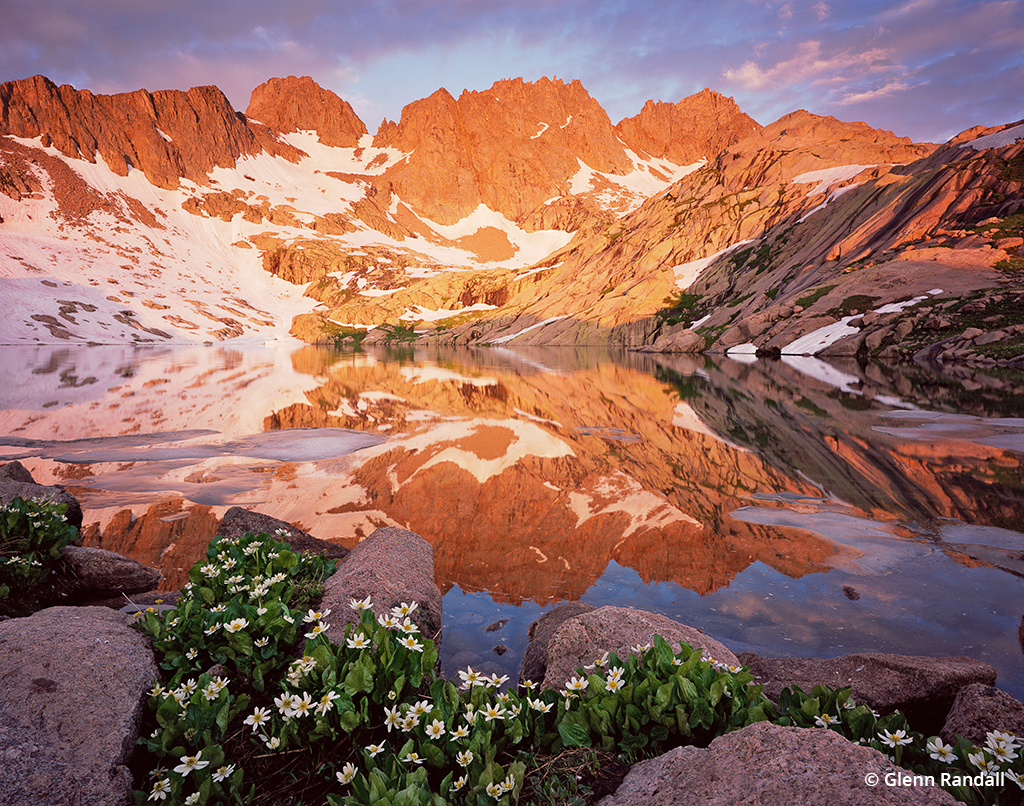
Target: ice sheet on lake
point(876, 548)
point(293, 445)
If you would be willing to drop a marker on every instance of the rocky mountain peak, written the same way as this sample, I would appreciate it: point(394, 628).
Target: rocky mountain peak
point(292, 104)
point(697, 127)
point(168, 135)
point(511, 147)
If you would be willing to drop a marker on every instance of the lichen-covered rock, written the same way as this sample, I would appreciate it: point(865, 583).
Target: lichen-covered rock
point(391, 566)
point(922, 688)
point(769, 765)
point(584, 638)
point(979, 709)
point(71, 701)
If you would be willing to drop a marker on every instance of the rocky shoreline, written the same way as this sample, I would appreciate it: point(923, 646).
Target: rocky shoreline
point(76, 679)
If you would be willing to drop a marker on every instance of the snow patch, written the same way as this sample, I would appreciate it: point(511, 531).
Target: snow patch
point(508, 338)
point(687, 273)
point(997, 140)
point(422, 314)
point(826, 177)
point(826, 373)
point(425, 373)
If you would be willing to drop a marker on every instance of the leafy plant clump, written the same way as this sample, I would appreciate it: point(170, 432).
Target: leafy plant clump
point(32, 535)
point(398, 332)
point(682, 307)
point(256, 705)
point(814, 296)
point(854, 304)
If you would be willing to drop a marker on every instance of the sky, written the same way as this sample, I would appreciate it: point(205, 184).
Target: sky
point(926, 69)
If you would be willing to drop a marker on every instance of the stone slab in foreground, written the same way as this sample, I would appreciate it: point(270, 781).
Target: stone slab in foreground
point(769, 765)
point(72, 688)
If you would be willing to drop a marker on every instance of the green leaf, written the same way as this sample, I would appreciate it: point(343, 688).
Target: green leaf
point(663, 652)
point(358, 680)
point(224, 716)
point(718, 689)
point(517, 731)
point(687, 689)
point(428, 657)
point(682, 722)
point(663, 696)
point(574, 735)
point(433, 754)
point(350, 721)
point(701, 714)
point(811, 707)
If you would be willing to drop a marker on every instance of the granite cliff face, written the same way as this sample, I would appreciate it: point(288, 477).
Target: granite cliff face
point(696, 128)
point(512, 147)
point(292, 104)
point(168, 135)
point(516, 214)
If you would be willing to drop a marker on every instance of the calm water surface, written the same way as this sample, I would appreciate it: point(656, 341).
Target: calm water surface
point(797, 508)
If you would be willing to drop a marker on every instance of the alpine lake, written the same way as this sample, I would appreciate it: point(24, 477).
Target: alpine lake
point(790, 507)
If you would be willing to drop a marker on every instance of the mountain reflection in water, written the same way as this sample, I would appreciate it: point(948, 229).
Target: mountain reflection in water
point(850, 509)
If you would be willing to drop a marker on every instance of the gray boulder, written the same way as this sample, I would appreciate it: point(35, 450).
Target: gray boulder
point(585, 638)
point(72, 699)
point(535, 659)
point(675, 339)
point(922, 688)
point(91, 576)
point(237, 521)
point(9, 490)
point(16, 471)
point(765, 764)
point(390, 566)
point(97, 573)
point(979, 709)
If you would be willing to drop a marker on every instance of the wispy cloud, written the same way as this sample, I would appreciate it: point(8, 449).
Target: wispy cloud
point(921, 67)
point(807, 64)
point(889, 88)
